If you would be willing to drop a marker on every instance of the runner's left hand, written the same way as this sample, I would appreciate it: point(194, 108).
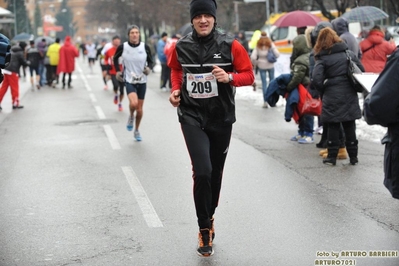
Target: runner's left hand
point(147, 71)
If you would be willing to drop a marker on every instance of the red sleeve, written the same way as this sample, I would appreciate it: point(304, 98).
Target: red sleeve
point(106, 58)
point(176, 71)
point(244, 75)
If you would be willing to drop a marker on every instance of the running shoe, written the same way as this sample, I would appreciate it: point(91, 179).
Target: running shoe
point(129, 124)
point(137, 135)
point(120, 108)
point(105, 87)
point(116, 99)
point(204, 243)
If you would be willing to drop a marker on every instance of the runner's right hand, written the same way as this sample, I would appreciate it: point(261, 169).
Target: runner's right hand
point(174, 98)
point(119, 76)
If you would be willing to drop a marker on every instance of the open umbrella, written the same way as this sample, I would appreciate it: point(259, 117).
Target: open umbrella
point(297, 19)
point(48, 39)
point(364, 14)
point(22, 37)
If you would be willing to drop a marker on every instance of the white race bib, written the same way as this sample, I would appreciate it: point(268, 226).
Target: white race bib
point(202, 85)
point(136, 79)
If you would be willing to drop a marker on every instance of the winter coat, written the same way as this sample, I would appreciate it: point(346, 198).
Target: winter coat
point(375, 50)
point(277, 87)
point(33, 56)
point(382, 104)
point(300, 63)
point(259, 57)
point(17, 59)
point(341, 27)
point(340, 100)
point(160, 51)
point(380, 107)
point(68, 52)
point(53, 53)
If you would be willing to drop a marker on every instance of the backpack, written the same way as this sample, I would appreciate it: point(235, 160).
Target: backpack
point(5, 54)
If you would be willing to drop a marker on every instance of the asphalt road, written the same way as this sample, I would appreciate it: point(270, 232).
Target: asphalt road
point(77, 189)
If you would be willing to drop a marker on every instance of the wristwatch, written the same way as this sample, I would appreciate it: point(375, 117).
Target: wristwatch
point(231, 77)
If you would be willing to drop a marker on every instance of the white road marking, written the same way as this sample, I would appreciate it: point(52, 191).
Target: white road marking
point(100, 112)
point(93, 98)
point(144, 202)
point(111, 137)
point(82, 76)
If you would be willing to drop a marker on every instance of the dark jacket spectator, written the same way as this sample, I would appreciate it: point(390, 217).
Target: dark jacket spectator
point(341, 27)
point(17, 59)
point(33, 56)
point(380, 107)
point(340, 100)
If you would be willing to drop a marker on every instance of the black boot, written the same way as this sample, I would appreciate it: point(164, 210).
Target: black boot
point(351, 147)
point(323, 141)
point(332, 148)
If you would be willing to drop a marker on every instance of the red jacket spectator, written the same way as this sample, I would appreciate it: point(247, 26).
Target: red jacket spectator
point(375, 50)
point(68, 52)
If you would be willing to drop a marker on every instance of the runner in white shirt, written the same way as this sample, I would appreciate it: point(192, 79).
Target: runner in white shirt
point(137, 64)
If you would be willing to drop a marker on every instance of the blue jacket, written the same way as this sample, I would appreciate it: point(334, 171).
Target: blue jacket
point(277, 88)
point(160, 51)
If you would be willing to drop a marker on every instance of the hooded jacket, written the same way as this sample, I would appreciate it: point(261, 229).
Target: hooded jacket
point(53, 54)
point(68, 52)
point(341, 27)
point(17, 59)
point(300, 63)
point(375, 50)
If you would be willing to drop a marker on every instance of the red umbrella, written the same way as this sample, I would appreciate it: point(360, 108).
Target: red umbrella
point(297, 19)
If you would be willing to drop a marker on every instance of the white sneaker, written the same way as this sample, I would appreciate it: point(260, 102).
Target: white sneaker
point(305, 140)
point(129, 125)
point(137, 135)
point(265, 105)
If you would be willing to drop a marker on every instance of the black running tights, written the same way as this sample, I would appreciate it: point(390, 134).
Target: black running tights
point(208, 150)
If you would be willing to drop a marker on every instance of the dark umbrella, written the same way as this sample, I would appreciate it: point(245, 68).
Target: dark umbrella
point(48, 39)
point(185, 29)
point(297, 19)
point(364, 14)
point(22, 37)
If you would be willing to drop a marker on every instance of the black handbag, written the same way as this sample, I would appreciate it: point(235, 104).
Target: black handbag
point(353, 69)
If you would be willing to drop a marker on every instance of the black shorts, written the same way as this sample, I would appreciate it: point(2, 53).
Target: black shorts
point(105, 67)
point(92, 60)
point(138, 88)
